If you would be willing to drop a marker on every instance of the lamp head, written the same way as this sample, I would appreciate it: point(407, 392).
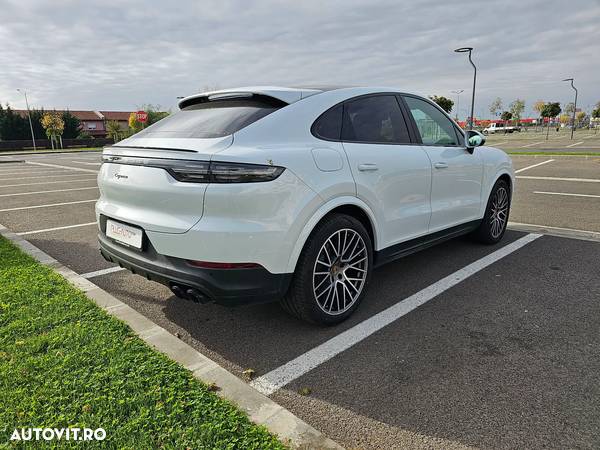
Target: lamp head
point(463, 49)
point(568, 79)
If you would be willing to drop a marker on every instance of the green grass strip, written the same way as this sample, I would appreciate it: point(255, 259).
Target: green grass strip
point(66, 363)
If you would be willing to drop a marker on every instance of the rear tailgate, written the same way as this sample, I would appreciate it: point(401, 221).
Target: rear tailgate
point(148, 196)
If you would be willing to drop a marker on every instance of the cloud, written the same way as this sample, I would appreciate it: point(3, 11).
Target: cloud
point(119, 55)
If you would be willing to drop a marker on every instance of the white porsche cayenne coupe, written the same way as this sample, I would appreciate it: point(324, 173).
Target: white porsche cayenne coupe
point(295, 194)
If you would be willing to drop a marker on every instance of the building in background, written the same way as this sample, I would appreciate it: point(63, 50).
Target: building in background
point(93, 122)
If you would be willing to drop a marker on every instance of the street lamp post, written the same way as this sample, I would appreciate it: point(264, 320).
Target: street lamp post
point(457, 92)
point(574, 106)
point(29, 116)
point(469, 50)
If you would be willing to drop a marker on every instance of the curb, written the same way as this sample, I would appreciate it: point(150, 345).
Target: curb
point(259, 408)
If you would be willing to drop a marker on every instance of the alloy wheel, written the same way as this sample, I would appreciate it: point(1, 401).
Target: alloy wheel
point(498, 212)
point(340, 271)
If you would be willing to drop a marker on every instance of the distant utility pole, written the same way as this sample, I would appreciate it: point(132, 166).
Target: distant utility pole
point(574, 106)
point(469, 50)
point(458, 92)
point(29, 116)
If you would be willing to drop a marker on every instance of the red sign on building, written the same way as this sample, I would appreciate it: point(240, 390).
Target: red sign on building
point(141, 116)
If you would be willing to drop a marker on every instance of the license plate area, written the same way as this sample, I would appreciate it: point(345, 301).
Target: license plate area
point(124, 234)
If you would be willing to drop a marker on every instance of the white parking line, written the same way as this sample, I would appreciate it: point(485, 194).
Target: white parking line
point(566, 194)
point(535, 165)
point(82, 180)
point(35, 172)
point(570, 232)
point(498, 143)
point(78, 169)
point(47, 192)
point(573, 145)
point(45, 176)
point(277, 378)
point(531, 145)
point(25, 233)
point(98, 273)
point(48, 205)
point(77, 161)
point(582, 180)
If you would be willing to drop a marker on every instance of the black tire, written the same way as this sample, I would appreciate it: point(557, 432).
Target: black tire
point(301, 301)
point(488, 231)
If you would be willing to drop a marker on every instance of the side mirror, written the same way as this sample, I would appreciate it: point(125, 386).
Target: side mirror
point(473, 139)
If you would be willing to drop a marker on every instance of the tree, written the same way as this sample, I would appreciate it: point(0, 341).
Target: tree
point(54, 126)
point(569, 109)
point(506, 116)
point(564, 119)
point(154, 115)
point(496, 106)
point(549, 111)
point(516, 108)
point(13, 126)
point(581, 117)
point(596, 112)
point(443, 102)
point(114, 130)
point(538, 106)
point(72, 125)
point(134, 124)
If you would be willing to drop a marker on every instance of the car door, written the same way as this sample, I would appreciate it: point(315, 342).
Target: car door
point(457, 173)
point(392, 174)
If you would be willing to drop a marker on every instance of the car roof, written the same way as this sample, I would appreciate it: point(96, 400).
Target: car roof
point(286, 94)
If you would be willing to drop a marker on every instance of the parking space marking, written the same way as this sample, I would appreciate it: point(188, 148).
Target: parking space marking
point(79, 169)
point(573, 145)
point(582, 180)
point(47, 192)
point(531, 145)
point(98, 273)
point(36, 172)
point(570, 232)
point(86, 163)
point(48, 205)
point(277, 378)
point(45, 176)
point(82, 180)
point(534, 165)
point(66, 227)
point(498, 143)
point(566, 194)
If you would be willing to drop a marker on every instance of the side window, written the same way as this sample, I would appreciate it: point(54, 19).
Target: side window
point(434, 127)
point(329, 124)
point(376, 119)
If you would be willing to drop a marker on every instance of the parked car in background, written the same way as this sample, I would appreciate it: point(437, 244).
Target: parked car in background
point(497, 127)
point(269, 193)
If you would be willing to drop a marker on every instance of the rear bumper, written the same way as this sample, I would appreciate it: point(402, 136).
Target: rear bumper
point(228, 287)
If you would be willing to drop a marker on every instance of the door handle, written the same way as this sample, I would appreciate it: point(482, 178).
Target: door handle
point(366, 167)
point(440, 165)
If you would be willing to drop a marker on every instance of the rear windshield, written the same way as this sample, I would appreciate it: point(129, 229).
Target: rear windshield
point(212, 119)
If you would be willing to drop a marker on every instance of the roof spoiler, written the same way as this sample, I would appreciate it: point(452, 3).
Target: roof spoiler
point(286, 95)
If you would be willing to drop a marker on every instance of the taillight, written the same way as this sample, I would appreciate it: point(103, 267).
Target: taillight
point(222, 172)
point(202, 171)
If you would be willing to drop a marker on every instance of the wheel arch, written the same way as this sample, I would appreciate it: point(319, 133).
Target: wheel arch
point(351, 206)
point(504, 174)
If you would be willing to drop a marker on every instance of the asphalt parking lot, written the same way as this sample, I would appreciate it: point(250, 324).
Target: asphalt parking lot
point(537, 140)
point(502, 353)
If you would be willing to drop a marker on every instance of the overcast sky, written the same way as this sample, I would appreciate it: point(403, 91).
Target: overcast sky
point(118, 55)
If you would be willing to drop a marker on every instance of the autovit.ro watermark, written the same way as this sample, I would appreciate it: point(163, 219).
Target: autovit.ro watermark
point(51, 434)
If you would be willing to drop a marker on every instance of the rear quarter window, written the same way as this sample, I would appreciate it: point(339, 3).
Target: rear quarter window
point(213, 119)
